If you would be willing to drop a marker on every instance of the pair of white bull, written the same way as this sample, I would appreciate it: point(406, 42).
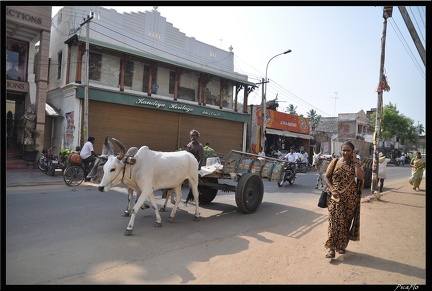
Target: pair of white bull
point(147, 171)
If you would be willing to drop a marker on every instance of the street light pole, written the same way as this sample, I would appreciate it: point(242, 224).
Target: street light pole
point(264, 102)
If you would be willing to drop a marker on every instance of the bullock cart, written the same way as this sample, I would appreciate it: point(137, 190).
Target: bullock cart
point(247, 170)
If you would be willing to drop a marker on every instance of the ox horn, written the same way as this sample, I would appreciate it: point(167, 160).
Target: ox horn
point(122, 149)
point(108, 148)
point(314, 151)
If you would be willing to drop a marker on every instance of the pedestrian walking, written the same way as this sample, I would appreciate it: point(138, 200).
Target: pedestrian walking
point(418, 166)
point(343, 200)
point(382, 169)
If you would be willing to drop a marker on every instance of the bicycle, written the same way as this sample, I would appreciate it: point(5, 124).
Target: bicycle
point(74, 174)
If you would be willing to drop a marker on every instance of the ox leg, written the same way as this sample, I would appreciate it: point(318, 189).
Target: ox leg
point(193, 184)
point(136, 208)
point(167, 193)
point(178, 192)
point(154, 206)
point(127, 212)
point(318, 178)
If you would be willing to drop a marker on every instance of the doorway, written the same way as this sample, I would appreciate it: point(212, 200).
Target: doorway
point(15, 106)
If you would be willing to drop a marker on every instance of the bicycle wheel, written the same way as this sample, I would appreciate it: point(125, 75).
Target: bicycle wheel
point(73, 175)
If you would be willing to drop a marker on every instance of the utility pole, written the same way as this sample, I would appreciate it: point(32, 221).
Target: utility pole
point(421, 50)
point(86, 88)
point(334, 110)
point(387, 12)
point(263, 113)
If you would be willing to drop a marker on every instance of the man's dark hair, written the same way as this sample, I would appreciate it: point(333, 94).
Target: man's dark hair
point(91, 139)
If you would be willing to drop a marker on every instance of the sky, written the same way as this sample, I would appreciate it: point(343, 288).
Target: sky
point(335, 59)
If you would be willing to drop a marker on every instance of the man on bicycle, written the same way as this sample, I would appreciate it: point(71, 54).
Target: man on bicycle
point(88, 154)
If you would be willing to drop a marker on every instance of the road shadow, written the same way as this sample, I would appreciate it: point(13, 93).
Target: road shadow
point(377, 263)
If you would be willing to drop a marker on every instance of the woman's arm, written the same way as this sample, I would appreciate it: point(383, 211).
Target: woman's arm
point(359, 172)
point(328, 174)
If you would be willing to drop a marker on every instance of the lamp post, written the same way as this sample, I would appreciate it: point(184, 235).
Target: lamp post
point(264, 102)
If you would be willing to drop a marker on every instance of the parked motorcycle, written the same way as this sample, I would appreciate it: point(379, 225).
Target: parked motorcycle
point(49, 162)
point(303, 167)
point(288, 174)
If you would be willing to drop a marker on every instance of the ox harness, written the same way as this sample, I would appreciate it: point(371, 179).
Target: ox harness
point(128, 160)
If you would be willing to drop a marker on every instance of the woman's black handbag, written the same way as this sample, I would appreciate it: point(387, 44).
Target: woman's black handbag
point(322, 202)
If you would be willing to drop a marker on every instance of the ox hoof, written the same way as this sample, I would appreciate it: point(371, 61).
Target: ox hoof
point(126, 214)
point(196, 218)
point(171, 219)
point(128, 232)
point(316, 187)
point(158, 224)
point(162, 209)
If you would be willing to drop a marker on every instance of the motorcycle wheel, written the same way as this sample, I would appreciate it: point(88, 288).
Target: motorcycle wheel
point(291, 181)
point(51, 170)
point(291, 178)
point(282, 179)
point(42, 164)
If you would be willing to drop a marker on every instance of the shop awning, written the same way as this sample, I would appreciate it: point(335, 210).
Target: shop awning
point(51, 111)
point(287, 133)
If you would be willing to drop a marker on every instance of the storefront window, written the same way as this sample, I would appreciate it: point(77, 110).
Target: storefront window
point(16, 60)
point(95, 65)
point(129, 70)
point(146, 77)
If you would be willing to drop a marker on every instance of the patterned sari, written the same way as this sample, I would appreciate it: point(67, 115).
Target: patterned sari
point(344, 216)
point(418, 166)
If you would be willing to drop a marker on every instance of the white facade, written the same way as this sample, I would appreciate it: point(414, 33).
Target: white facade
point(142, 41)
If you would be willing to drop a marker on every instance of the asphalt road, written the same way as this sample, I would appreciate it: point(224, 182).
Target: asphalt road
point(74, 235)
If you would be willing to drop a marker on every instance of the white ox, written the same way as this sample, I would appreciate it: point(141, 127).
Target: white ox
point(96, 174)
point(148, 171)
point(320, 162)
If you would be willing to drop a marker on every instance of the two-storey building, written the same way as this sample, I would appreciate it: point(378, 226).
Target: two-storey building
point(27, 37)
point(143, 82)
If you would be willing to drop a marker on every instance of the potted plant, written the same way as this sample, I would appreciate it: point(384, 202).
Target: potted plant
point(30, 145)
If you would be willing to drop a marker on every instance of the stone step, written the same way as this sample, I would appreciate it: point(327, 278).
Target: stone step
point(14, 163)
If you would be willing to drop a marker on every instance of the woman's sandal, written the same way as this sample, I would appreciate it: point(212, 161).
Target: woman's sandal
point(330, 254)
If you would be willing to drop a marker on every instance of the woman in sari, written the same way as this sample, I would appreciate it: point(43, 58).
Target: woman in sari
point(343, 200)
point(418, 165)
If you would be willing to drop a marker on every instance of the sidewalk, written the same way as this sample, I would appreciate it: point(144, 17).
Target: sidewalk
point(32, 177)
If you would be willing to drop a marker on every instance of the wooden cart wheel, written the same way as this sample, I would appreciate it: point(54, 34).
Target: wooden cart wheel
point(249, 193)
point(206, 193)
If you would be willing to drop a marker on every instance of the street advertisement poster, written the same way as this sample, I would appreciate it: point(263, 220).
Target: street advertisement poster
point(70, 129)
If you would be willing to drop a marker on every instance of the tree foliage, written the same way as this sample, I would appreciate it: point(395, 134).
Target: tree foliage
point(395, 124)
point(291, 109)
point(314, 118)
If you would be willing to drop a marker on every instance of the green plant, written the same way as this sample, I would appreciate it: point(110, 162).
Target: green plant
point(31, 146)
point(30, 136)
point(64, 155)
point(209, 152)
